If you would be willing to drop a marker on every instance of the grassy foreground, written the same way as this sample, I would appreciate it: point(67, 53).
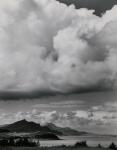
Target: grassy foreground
point(78, 146)
point(54, 148)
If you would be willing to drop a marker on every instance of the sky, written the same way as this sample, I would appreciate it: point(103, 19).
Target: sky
point(58, 63)
point(100, 6)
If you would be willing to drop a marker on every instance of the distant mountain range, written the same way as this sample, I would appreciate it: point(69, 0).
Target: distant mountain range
point(66, 130)
point(24, 126)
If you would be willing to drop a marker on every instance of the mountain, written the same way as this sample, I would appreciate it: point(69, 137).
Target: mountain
point(100, 6)
point(24, 126)
point(66, 130)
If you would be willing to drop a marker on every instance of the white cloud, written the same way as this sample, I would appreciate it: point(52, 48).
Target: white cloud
point(45, 45)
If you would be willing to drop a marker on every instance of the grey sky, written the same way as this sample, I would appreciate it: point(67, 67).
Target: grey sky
point(58, 63)
point(94, 112)
point(100, 6)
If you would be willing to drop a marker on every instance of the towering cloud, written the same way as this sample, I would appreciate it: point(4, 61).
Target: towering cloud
point(47, 46)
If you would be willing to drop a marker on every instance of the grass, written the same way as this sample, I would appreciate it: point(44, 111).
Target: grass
point(78, 146)
point(19, 148)
point(54, 148)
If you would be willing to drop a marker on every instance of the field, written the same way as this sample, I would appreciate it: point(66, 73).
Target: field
point(78, 146)
point(54, 148)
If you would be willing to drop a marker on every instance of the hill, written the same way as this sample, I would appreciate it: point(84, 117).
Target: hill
point(24, 126)
point(66, 130)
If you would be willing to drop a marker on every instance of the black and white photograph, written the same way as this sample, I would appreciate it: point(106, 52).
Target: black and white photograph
point(58, 74)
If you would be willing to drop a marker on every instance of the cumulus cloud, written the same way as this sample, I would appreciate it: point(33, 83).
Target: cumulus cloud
point(48, 46)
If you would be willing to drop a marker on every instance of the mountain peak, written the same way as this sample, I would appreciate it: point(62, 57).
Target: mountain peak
point(23, 120)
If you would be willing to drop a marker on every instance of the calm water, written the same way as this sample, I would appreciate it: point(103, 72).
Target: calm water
point(91, 140)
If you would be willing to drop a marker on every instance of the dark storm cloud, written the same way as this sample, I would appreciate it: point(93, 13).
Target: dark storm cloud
point(10, 95)
point(100, 6)
point(25, 95)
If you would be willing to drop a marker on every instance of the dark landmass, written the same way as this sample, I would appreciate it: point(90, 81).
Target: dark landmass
point(24, 126)
point(4, 131)
point(47, 136)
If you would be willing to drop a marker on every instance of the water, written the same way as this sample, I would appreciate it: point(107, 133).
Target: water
point(91, 140)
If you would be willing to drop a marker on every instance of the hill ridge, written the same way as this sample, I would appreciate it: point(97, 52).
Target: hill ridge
point(31, 127)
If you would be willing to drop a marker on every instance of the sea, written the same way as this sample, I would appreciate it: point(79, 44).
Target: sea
point(92, 140)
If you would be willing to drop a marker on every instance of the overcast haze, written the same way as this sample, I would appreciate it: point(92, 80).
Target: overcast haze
point(58, 63)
